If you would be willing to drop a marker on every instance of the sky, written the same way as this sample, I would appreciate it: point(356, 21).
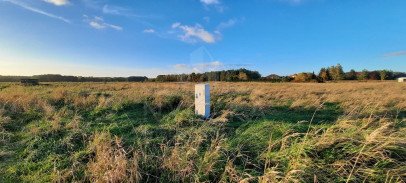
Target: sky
point(121, 38)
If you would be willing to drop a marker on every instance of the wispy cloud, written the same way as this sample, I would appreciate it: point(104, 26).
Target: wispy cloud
point(206, 67)
point(394, 54)
point(213, 3)
point(149, 31)
point(210, 64)
point(121, 11)
point(181, 66)
point(210, 2)
point(174, 25)
point(114, 26)
point(293, 1)
point(92, 4)
point(229, 23)
point(114, 10)
point(27, 7)
point(198, 67)
point(99, 23)
point(201, 60)
point(58, 2)
point(98, 18)
point(194, 33)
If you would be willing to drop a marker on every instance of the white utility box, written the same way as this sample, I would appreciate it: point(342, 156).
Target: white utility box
point(202, 100)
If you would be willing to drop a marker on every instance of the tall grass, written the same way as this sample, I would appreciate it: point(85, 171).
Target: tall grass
point(258, 132)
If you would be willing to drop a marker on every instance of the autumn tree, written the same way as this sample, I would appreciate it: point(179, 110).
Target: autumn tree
point(385, 74)
point(364, 75)
point(324, 75)
point(305, 77)
point(336, 72)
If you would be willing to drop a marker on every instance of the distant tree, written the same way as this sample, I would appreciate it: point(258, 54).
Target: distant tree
point(286, 79)
point(336, 72)
point(223, 76)
point(255, 75)
point(386, 74)
point(213, 76)
point(305, 77)
point(373, 75)
point(390, 74)
point(242, 76)
point(352, 75)
point(202, 77)
point(193, 77)
point(231, 75)
point(324, 75)
point(364, 75)
point(383, 74)
point(135, 79)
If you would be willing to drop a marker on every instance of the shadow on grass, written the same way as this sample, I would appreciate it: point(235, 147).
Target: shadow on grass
point(328, 114)
point(251, 128)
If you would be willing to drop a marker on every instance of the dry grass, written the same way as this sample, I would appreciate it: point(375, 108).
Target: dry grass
point(110, 163)
point(82, 95)
point(165, 143)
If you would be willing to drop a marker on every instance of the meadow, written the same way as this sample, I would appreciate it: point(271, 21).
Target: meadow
point(258, 132)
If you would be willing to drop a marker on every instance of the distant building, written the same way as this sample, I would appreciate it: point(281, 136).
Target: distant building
point(402, 79)
point(273, 76)
point(30, 82)
point(293, 76)
point(399, 75)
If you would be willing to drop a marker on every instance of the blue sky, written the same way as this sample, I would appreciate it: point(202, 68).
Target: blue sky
point(151, 37)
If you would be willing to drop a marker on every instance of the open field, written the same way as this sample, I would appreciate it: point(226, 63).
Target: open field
point(258, 132)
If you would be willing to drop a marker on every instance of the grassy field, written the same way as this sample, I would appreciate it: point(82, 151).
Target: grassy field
point(258, 132)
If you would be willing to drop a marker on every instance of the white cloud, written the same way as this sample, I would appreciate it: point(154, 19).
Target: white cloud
point(213, 3)
point(149, 30)
point(120, 11)
point(199, 67)
point(27, 7)
point(114, 10)
point(190, 34)
point(217, 64)
point(114, 26)
point(180, 66)
point(174, 25)
point(209, 2)
point(210, 64)
point(196, 70)
point(98, 18)
point(58, 2)
point(394, 54)
point(99, 23)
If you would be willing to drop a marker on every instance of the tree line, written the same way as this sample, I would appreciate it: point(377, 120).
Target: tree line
point(336, 73)
point(61, 78)
point(332, 73)
point(228, 75)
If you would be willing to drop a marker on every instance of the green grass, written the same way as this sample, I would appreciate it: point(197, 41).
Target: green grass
point(48, 147)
